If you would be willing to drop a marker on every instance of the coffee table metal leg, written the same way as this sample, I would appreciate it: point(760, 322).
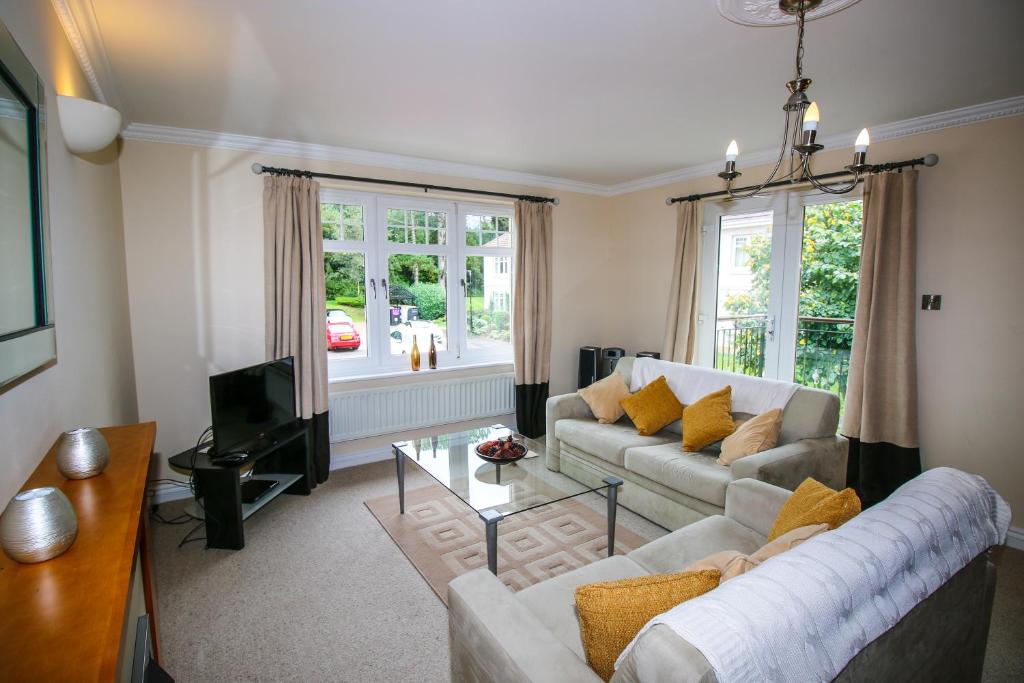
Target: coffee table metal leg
point(491, 519)
point(613, 496)
point(400, 467)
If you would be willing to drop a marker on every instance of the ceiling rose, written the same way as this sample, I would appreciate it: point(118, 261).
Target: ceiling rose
point(767, 12)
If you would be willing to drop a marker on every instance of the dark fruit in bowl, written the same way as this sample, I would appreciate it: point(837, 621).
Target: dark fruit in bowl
point(501, 449)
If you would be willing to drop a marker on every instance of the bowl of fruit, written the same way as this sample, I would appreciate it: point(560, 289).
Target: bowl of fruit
point(501, 451)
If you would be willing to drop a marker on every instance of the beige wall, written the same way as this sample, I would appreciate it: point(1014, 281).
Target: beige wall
point(193, 235)
point(93, 382)
point(970, 246)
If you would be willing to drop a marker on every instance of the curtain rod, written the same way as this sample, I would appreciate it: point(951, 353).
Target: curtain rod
point(926, 160)
point(259, 169)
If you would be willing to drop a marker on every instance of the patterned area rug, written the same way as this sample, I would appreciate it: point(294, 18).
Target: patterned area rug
point(444, 538)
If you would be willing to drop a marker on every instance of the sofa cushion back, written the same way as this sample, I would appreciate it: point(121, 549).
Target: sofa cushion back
point(810, 414)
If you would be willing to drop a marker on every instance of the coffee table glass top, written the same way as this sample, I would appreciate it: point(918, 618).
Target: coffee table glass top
point(451, 459)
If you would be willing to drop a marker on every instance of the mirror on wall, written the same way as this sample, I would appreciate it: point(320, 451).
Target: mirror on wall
point(27, 332)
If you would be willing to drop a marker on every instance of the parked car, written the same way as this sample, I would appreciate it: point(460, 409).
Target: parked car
point(341, 332)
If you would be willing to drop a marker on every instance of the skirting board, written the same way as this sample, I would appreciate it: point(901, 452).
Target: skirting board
point(1015, 538)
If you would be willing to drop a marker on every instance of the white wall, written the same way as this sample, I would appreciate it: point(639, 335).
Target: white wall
point(93, 380)
point(194, 238)
point(970, 246)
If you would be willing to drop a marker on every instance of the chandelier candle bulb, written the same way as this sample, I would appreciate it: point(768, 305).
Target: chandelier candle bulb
point(732, 151)
point(863, 140)
point(811, 117)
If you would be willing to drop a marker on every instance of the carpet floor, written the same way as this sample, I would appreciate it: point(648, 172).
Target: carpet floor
point(322, 593)
point(444, 538)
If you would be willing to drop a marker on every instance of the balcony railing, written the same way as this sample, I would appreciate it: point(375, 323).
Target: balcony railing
point(822, 357)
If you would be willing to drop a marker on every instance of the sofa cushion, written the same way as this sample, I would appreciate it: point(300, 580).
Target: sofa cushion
point(652, 408)
point(708, 420)
point(608, 442)
point(611, 613)
point(681, 548)
point(553, 601)
point(695, 474)
point(810, 414)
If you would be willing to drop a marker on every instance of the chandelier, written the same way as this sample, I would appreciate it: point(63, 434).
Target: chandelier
point(801, 127)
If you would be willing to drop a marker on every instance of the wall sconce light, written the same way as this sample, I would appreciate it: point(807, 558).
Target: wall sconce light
point(87, 126)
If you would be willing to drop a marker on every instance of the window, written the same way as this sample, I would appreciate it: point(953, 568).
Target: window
point(740, 255)
point(788, 314)
point(401, 270)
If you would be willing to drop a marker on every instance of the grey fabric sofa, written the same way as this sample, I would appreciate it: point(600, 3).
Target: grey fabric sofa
point(533, 635)
point(674, 488)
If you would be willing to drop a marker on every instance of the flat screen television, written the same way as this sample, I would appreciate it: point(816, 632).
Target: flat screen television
point(248, 404)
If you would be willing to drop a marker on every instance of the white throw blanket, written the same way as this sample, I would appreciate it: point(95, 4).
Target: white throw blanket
point(804, 614)
point(691, 383)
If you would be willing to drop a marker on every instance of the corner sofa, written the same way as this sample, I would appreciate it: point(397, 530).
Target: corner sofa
point(674, 488)
point(533, 635)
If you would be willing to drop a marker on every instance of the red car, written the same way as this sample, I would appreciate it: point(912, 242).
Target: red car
point(341, 333)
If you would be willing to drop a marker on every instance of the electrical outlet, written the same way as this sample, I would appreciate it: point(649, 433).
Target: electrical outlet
point(931, 302)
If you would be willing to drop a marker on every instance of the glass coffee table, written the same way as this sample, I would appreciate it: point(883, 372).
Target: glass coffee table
point(495, 491)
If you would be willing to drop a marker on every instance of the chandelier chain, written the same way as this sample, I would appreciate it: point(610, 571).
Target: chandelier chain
point(800, 42)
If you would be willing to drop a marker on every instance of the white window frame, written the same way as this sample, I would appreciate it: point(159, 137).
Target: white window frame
point(787, 207)
point(376, 249)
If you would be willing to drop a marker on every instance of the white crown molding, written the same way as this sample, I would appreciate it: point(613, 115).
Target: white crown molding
point(1013, 106)
point(78, 19)
point(306, 150)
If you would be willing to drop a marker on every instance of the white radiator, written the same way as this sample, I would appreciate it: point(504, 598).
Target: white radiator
point(385, 410)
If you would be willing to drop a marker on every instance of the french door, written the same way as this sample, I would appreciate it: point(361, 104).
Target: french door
point(779, 286)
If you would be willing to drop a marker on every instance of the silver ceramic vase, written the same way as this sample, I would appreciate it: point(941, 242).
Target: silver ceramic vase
point(82, 453)
point(37, 525)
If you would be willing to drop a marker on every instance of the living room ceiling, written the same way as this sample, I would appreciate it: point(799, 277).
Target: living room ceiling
point(600, 92)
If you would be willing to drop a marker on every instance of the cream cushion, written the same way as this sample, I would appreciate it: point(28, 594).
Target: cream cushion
point(753, 436)
point(603, 398)
point(732, 563)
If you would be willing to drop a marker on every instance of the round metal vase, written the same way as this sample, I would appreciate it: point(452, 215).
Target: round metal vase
point(82, 453)
point(37, 525)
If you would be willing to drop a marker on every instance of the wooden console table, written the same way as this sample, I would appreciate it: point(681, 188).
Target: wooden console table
point(74, 617)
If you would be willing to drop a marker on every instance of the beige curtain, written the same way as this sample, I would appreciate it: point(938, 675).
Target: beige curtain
point(681, 320)
point(531, 314)
point(295, 299)
point(881, 397)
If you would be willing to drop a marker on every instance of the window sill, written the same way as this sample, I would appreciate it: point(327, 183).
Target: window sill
point(390, 374)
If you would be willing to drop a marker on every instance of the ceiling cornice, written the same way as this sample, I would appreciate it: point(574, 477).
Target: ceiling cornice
point(1013, 106)
point(78, 19)
point(307, 150)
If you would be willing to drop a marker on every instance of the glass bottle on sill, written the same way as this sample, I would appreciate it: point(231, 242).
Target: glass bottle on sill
point(432, 354)
point(415, 356)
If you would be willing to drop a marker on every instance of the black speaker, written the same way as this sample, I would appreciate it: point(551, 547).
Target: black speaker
point(609, 359)
point(590, 360)
point(648, 354)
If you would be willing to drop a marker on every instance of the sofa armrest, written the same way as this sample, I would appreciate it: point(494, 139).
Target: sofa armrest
point(754, 504)
point(492, 637)
point(560, 408)
point(787, 466)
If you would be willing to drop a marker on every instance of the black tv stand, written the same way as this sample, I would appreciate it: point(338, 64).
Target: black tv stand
point(284, 456)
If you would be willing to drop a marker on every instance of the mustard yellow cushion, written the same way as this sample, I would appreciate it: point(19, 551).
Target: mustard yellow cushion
point(815, 503)
point(603, 398)
point(708, 420)
point(613, 612)
point(753, 436)
point(653, 408)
